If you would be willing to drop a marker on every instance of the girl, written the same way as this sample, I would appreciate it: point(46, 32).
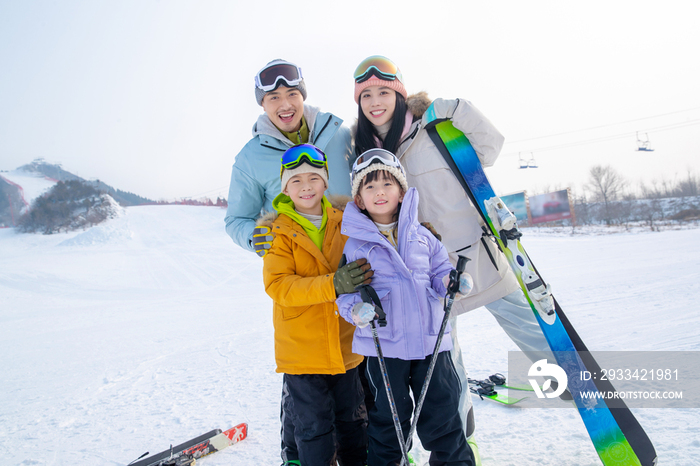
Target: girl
point(411, 271)
point(389, 118)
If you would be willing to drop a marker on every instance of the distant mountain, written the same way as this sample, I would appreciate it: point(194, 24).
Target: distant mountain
point(57, 173)
point(15, 196)
point(49, 170)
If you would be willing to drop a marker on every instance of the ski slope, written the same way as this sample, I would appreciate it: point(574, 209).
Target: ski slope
point(154, 328)
point(32, 184)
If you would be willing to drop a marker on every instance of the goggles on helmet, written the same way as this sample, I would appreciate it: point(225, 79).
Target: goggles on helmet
point(268, 78)
point(371, 156)
point(303, 153)
point(379, 66)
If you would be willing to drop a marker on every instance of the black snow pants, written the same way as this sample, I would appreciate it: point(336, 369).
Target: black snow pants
point(439, 426)
point(329, 417)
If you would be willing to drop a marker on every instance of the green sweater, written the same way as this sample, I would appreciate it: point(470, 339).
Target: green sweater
point(301, 136)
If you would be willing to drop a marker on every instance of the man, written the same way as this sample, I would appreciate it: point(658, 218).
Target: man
point(255, 178)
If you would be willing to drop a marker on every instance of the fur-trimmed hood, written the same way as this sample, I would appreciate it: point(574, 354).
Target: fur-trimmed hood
point(338, 201)
point(418, 103)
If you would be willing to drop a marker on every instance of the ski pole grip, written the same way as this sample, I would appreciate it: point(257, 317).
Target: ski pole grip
point(369, 296)
point(461, 263)
point(453, 286)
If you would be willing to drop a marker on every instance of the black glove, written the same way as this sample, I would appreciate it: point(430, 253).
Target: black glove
point(350, 276)
point(262, 240)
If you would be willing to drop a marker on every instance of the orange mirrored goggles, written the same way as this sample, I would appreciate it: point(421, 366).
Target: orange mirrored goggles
point(378, 66)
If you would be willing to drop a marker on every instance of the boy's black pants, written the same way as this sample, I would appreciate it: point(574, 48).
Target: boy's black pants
point(439, 426)
point(289, 444)
point(328, 412)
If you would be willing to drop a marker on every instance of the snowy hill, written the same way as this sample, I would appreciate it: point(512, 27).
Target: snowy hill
point(55, 173)
point(20, 187)
point(154, 327)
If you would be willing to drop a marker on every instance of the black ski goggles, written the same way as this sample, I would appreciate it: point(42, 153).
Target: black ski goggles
point(268, 78)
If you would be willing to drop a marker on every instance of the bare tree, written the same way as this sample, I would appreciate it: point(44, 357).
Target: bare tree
point(605, 185)
point(650, 211)
point(689, 186)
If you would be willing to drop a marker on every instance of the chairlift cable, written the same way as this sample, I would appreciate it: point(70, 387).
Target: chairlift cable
point(602, 126)
point(611, 137)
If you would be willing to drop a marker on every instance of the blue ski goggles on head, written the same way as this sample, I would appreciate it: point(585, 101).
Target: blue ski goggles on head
point(378, 66)
point(268, 78)
point(303, 153)
point(371, 156)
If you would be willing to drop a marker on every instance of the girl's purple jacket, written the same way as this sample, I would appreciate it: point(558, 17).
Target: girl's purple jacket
point(408, 281)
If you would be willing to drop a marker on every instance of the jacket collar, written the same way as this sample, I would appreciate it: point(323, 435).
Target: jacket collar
point(337, 201)
point(416, 105)
point(406, 143)
point(286, 226)
point(361, 227)
point(284, 205)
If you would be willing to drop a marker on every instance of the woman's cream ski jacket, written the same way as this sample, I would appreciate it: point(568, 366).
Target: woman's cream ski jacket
point(445, 204)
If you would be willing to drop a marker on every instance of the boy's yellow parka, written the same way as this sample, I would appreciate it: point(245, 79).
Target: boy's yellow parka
point(310, 336)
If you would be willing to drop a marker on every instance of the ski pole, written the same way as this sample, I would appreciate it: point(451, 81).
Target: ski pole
point(452, 289)
point(370, 296)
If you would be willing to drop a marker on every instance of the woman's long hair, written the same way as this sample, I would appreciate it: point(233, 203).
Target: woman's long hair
point(366, 132)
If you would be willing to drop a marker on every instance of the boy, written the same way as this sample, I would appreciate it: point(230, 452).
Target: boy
point(312, 343)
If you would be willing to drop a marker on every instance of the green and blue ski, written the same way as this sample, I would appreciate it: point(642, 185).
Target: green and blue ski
point(616, 434)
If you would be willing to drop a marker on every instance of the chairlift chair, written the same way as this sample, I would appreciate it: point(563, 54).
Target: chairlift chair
point(644, 145)
point(522, 161)
point(532, 163)
point(527, 162)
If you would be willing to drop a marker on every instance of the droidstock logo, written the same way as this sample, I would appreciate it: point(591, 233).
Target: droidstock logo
point(543, 369)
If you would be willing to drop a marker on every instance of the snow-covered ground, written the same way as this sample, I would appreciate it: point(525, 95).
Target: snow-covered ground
point(154, 327)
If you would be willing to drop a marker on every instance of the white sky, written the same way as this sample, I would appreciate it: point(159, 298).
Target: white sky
point(156, 97)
